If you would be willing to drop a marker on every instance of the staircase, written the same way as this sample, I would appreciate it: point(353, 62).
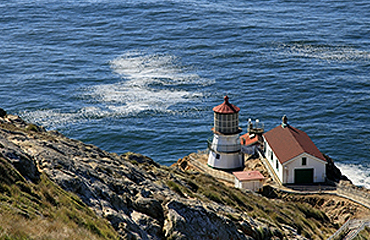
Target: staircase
point(269, 168)
point(350, 229)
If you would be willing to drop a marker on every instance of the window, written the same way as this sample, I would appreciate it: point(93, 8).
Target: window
point(271, 156)
point(277, 165)
point(217, 156)
point(304, 161)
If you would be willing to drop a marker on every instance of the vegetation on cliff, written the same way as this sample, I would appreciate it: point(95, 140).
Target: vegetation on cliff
point(52, 187)
point(40, 209)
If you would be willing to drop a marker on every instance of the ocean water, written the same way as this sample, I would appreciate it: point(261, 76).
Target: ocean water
point(143, 76)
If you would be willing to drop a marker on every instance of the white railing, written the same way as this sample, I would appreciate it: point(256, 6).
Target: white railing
point(354, 194)
point(343, 228)
point(224, 148)
point(215, 173)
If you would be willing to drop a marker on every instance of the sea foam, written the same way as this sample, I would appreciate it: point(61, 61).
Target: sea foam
point(358, 174)
point(327, 53)
point(149, 83)
point(52, 119)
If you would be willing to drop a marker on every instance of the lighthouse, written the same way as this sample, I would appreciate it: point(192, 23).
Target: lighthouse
point(225, 147)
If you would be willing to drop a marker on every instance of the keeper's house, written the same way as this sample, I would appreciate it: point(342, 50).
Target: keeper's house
point(293, 156)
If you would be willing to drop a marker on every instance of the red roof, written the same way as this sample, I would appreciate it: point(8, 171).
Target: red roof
point(249, 139)
point(290, 142)
point(226, 107)
point(248, 175)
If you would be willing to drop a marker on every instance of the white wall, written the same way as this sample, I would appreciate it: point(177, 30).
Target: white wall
point(225, 152)
point(274, 161)
point(286, 172)
point(254, 185)
point(225, 161)
point(319, 172)
point(226, 143)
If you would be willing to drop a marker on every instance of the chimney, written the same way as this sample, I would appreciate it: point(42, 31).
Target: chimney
point(250, 125)
point(284, 123)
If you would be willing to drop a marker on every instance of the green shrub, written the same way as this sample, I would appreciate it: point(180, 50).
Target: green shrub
point(32, 127)
point(175, 187)
point(311, 212)
point(214, 196)
point(192, 185)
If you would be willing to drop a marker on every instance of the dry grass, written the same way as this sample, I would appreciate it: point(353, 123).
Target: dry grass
point(45, 211)
point(14, 226)
point(308, 221)
point(364, 234)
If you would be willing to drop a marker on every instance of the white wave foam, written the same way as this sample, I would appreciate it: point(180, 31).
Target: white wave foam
point(358, 174)
point(150, 82)
point(141, 69)
point(55, 118)
point(325, 53)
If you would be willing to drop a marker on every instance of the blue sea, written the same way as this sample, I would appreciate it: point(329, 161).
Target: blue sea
point(143, 76)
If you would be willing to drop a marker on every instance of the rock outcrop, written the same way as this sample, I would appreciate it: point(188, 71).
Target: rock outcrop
point(143, 200)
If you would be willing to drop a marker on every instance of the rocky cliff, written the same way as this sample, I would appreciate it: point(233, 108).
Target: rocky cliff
point(134, 196)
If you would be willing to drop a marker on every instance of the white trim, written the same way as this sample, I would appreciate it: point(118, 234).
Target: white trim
point(305, 154)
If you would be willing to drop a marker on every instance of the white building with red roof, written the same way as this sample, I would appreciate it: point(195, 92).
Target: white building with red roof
point(252, 180)
point(293, 156)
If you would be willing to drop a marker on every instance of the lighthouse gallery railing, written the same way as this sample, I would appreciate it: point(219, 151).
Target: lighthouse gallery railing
point(229, 148)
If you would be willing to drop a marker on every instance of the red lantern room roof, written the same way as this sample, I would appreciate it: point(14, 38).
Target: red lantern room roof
point(226, 107)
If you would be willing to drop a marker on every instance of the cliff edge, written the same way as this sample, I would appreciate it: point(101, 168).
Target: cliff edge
point(133, 197)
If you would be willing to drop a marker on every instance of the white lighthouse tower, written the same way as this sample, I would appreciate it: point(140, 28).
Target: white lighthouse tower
point(225, 148)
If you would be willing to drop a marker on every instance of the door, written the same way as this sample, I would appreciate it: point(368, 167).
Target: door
point(303, 176)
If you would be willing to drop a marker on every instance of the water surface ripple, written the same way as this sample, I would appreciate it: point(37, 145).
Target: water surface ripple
point(143, 76)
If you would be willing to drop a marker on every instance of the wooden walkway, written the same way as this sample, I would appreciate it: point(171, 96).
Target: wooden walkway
point(201, 165)
point(350, 229)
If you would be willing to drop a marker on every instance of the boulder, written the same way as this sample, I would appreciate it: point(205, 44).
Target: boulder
point(2, 113)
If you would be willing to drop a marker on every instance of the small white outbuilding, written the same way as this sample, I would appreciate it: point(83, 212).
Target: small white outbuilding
point(252, 180)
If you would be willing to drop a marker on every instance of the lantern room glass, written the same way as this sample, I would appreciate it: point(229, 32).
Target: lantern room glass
point(226, 123)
